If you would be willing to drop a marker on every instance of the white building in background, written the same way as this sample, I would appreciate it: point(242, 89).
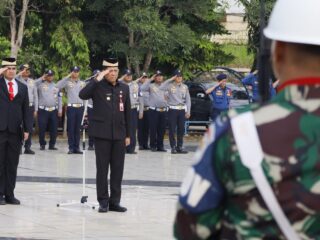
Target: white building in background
point(234, 23)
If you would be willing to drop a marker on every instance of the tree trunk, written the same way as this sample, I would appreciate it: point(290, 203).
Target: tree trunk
point(147, 61)
point(17, 36)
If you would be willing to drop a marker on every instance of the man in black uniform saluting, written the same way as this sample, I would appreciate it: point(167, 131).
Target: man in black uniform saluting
point(110, 124)
point(15, 125)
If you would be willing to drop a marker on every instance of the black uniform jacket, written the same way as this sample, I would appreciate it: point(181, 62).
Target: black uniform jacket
point(111, 109)
point(14, 115)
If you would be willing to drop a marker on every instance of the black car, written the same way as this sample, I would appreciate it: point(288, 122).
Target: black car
point(201, 103)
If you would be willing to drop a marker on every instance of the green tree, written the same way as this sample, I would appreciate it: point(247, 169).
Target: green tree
point(252, 16)
point(148, 33)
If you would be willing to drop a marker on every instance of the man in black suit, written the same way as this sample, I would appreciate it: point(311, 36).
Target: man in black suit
point(15, 126)
point(109, 125)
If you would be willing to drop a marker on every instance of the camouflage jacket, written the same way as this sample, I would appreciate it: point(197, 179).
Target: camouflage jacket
point(219, 199)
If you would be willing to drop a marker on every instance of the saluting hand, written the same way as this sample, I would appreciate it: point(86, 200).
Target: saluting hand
point(102, 74)
point(20, 73)
point(2, 70)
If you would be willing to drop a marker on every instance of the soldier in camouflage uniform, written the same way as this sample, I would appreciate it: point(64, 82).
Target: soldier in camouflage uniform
point(219, 198)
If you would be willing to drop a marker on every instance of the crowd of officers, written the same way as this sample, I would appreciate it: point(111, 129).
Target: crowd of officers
point(155, 104)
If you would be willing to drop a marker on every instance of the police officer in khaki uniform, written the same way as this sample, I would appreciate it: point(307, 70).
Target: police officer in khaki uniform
point(157, 111)
point(110, 127)
point(50, 107)
point(143, 122)
point(136, 105)
point(179, 109)
point(24, 77)
point(73, 85)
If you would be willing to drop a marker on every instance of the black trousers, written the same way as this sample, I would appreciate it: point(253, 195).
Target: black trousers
point(176, 120)
point(91, 139)
point(27, 143)
point(157, 122)
point(143, 130)
point(46, 118)
point(10, 147)
point(109, 153)
point(133, 131)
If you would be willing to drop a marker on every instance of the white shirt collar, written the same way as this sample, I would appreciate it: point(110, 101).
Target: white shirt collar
point(13, 81)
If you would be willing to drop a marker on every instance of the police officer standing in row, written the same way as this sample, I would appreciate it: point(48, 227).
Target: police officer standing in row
point(50, 107)
point(179, 109)
point(221, 95)
point(136, 105)
point(73, 85)
point(143, 122)
point(24, 77)
point(15, 126)
point(110, 127)
point(157, 111)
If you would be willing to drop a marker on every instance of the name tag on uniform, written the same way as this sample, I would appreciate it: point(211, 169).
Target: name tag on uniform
point(108, 96)
point(219, 93)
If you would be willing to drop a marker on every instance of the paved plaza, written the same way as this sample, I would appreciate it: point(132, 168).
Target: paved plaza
point(150, 188)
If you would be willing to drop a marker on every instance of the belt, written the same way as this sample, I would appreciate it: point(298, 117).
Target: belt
point(90, 106)
point(49, 109)
point(164, 109)
point(146, 108)
point(135, 107)
point(31, 104)
point(76, 105)
point(178, 107)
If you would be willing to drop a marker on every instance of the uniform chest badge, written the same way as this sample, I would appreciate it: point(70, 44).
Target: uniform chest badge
point(71, 84)
point(219, 93)
point(173, 89)
point(45, 87)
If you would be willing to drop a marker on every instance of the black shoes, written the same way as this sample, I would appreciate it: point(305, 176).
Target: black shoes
point(103, 208)
point(178, 151)
point(29, 151)
point(117, 208)
point(2, 201)
point(53, 148)
point(161, 150)
point(153, 149)
point(144, 148)
point(181, 151)
point(173, 151)
point(42, 147)
point(91, 148)
point(12, 200)
point(77, 151)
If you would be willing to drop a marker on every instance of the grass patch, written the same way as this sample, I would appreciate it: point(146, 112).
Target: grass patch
point(241, 57)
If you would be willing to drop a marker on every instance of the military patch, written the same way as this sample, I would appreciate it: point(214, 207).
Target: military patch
point(219, 93)
point(173, 89)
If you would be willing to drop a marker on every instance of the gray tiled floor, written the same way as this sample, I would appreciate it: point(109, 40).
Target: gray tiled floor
point(150, 189)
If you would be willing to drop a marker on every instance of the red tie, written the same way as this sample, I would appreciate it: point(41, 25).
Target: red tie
point(11, 93)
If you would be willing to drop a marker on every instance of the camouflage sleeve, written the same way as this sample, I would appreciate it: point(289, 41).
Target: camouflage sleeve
point(200, 202)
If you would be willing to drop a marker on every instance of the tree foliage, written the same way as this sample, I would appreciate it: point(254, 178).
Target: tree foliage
point(143, 34)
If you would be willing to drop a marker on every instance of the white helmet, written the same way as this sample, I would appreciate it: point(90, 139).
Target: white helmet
point(295, 21)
